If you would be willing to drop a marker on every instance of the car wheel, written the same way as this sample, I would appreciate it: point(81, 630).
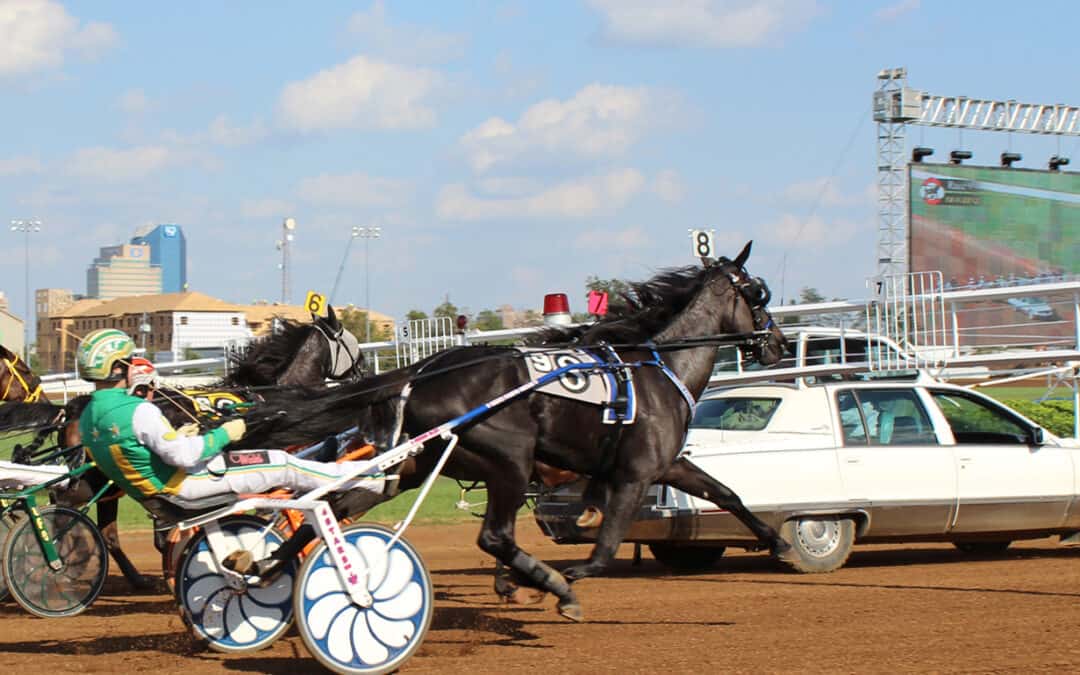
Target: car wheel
point(982, 547)
point(821, 544)
point(686, 557)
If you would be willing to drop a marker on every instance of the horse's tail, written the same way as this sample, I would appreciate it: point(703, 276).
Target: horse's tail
point(28, 416)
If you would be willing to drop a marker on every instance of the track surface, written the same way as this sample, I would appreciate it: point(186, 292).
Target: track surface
point(910, 608)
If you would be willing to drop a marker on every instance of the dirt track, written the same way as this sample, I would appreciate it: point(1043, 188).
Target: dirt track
point(921, 608)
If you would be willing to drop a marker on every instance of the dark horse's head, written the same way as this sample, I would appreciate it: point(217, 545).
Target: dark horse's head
point(17, 382)
point(299, 354)
point(752, 315)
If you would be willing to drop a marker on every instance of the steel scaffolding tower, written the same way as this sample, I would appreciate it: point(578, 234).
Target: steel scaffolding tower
point(896, 105)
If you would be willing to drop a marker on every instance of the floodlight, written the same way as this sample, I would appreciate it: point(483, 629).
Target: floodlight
point(958, 156)
point(290, 223)
point(1056, 162)
point(918, 153)
point(1007, 158)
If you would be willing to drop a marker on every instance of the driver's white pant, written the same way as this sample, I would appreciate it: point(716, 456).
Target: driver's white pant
point(258, 471)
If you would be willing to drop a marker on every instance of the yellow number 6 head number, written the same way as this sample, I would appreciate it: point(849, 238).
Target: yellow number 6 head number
point(315, 303)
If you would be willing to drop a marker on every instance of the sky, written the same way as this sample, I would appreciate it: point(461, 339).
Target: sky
point(507, 149)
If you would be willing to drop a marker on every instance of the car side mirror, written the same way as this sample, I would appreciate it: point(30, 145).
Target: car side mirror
point(1038, 436)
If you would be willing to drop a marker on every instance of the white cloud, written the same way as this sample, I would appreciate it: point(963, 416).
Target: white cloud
point(403, 42)
point(110, 164)
point(361, 93)
point(701, 23)
point(895, 11)
point(606, 240)
point(572, 199)
point(791, 231)
point(17, 166)
point(354, 189)
point(599, 121)
point(266, 209)
point(668, 186)
point(37, 34)
point(223, 132)
point(133, 102)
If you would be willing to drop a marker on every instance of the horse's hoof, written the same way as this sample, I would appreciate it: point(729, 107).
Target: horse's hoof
point(783, 552)
point(525, 596)
point(571, 610)
point(572, 574)
point(590, 518)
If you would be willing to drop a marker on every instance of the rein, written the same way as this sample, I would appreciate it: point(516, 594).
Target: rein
point(15, 375)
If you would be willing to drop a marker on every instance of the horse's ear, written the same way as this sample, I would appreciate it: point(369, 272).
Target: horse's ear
point(706, 261)
point(331, 318)
point(740, 260)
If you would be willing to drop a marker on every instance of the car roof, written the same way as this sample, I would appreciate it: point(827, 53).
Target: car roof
point(785, 390)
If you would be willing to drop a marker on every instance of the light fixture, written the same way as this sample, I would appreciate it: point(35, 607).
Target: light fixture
point(1056, 162)
point(958, 156)
point(1007, 158)
point(918, 153)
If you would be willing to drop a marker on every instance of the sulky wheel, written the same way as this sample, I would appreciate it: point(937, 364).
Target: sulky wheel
point(75, 582)
point(232, 620)
point(7, 522)
point(347, 638)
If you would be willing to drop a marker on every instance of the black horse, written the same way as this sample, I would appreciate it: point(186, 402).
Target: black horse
point(680, 312)
point(298, 355)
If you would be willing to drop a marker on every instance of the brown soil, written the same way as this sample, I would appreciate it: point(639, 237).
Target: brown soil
point(893, 608)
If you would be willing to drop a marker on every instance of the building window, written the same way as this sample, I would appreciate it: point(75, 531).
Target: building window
point(183, 321)
point(236, 321)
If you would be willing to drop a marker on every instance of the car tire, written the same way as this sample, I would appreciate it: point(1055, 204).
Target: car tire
point(821, 544)
point(686, 557)
point(982, 547)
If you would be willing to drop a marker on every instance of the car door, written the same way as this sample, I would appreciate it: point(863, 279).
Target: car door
point(892, 460)
point(1005, 481)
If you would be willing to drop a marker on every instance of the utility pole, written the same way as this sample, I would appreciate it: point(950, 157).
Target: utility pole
point(368, 233)
point(26, 227)
point(288, 228)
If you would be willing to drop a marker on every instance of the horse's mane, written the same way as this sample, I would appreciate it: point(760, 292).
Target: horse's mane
point(6, 353)
point(20, 415)
point(650, 306)
point(261, 361)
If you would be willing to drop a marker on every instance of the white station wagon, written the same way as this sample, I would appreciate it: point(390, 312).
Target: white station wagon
point(837, 463)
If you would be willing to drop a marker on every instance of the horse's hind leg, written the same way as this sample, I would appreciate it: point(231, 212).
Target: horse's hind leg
point(505, 496)
point(622, 504)
point(107, 511)
point(688, 477)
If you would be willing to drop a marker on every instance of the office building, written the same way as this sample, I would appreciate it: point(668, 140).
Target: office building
point(122, 271)
point(168, 250)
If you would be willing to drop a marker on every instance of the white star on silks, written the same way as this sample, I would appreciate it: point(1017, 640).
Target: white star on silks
point(95, 434)
point(115, 430)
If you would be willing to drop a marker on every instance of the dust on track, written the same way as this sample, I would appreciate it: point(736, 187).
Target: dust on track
point(893, 608)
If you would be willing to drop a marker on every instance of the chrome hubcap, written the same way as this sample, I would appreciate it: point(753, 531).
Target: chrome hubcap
point(818, 538)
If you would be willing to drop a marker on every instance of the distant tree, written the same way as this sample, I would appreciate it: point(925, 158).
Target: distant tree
point(809, 295)
point(581, 317)
point(416, 315)
point(447, 309)
point(488, 320)
point(355, 321)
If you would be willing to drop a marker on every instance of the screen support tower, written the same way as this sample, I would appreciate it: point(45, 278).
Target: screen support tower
point(896, 105)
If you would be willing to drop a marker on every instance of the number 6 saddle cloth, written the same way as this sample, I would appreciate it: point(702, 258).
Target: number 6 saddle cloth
point(610, 387)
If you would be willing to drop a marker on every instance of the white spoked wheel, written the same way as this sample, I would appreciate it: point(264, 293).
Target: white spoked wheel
point(232, 620)
point(347, 638)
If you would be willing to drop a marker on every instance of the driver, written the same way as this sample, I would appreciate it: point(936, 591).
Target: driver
point(136, 447)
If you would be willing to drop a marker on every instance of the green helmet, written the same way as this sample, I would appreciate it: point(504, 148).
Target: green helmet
point(100, 351)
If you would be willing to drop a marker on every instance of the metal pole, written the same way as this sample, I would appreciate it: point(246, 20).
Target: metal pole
point(344, 259)
point(368, 233)
point(26, 227)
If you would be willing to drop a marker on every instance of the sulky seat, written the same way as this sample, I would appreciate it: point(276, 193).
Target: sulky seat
point(171, 509)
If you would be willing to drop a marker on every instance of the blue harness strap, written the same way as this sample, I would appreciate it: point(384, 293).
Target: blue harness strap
point(658, 362)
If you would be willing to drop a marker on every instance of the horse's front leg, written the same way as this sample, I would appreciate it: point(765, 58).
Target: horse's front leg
point(622, 504)
point(688, 477)
point(505, 496)
point(107, 512)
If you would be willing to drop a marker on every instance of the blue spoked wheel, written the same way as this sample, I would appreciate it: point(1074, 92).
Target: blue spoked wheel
point(231, 620)
point(347, 638)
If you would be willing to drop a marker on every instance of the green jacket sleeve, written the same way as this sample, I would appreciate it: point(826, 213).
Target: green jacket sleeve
point(214, 442)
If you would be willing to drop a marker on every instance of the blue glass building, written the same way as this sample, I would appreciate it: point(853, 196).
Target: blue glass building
point(168, 249)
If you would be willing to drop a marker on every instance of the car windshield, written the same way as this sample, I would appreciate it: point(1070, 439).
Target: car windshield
point(734, 414)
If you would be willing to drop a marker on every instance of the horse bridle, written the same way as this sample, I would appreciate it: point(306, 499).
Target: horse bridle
point(756, 293)
point(31, 396)
point(342, 344)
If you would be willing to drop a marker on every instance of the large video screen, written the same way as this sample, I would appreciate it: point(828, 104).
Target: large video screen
point(989, 225)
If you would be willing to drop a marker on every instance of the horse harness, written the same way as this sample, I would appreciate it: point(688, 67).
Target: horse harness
point(13, 370)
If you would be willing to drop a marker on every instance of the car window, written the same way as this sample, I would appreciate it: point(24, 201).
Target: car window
point(734, 414)
point(975, 421)
point(883, 417)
